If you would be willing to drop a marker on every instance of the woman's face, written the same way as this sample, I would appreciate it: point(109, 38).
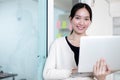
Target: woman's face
point(80, 21)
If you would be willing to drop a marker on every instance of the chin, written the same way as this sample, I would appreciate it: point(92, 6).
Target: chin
point(81, 32)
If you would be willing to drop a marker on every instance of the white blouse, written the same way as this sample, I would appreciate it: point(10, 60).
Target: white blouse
point(60, 61)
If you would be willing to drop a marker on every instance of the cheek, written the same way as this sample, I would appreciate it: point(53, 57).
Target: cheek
point(73, 21)
point(87, 24)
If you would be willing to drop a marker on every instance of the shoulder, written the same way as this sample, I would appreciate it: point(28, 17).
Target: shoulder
point(57, 43)
point(59, 40)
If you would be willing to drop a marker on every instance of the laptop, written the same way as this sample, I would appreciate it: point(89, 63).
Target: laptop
point(92, 48)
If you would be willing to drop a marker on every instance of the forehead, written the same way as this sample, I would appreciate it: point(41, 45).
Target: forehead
point(82, 12)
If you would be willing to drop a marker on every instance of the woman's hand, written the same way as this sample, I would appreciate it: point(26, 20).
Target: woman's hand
point(101, 70)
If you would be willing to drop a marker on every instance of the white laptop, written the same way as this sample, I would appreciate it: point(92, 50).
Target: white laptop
point(92, 48)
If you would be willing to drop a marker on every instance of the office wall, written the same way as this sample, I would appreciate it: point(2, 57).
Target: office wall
point(115, 8)
point(102, 20)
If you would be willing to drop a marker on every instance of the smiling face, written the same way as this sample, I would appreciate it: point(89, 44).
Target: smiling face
point(81, 21)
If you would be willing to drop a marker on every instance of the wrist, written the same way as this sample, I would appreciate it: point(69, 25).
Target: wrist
point(99, 78)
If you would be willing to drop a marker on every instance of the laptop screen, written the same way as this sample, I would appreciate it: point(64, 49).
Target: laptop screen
point(92, 48)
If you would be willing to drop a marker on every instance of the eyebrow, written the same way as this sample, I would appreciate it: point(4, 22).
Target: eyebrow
point(85, 16)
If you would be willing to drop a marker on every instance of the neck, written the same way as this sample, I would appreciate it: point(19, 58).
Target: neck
point(77, 36)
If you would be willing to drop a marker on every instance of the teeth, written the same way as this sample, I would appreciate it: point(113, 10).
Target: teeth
point(80, 27)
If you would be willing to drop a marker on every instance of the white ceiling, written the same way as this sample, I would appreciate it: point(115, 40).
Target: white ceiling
point(67, 4)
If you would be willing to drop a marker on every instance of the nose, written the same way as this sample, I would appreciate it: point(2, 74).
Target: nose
point(81, 22)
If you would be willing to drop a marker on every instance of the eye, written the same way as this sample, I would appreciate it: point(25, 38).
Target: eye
point(77, 17)
point(87, 19)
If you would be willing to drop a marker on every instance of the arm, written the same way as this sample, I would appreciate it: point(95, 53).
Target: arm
point(50, 69)
point(101, 70)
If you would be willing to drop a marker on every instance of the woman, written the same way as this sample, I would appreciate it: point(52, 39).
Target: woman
point(63, 58)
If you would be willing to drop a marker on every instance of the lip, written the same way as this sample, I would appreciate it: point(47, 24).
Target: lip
point(80, 28)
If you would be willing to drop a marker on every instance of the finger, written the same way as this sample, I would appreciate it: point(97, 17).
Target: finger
point(94, 69)
point(97, 67)
point(103, 67)
point(108, 69)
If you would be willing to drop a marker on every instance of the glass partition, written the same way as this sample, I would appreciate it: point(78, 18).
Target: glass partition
point(19, 38)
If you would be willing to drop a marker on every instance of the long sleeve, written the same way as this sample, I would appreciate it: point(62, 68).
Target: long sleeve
point(50, 69)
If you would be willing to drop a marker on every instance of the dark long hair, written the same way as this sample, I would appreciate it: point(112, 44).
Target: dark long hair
point(78, 6)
